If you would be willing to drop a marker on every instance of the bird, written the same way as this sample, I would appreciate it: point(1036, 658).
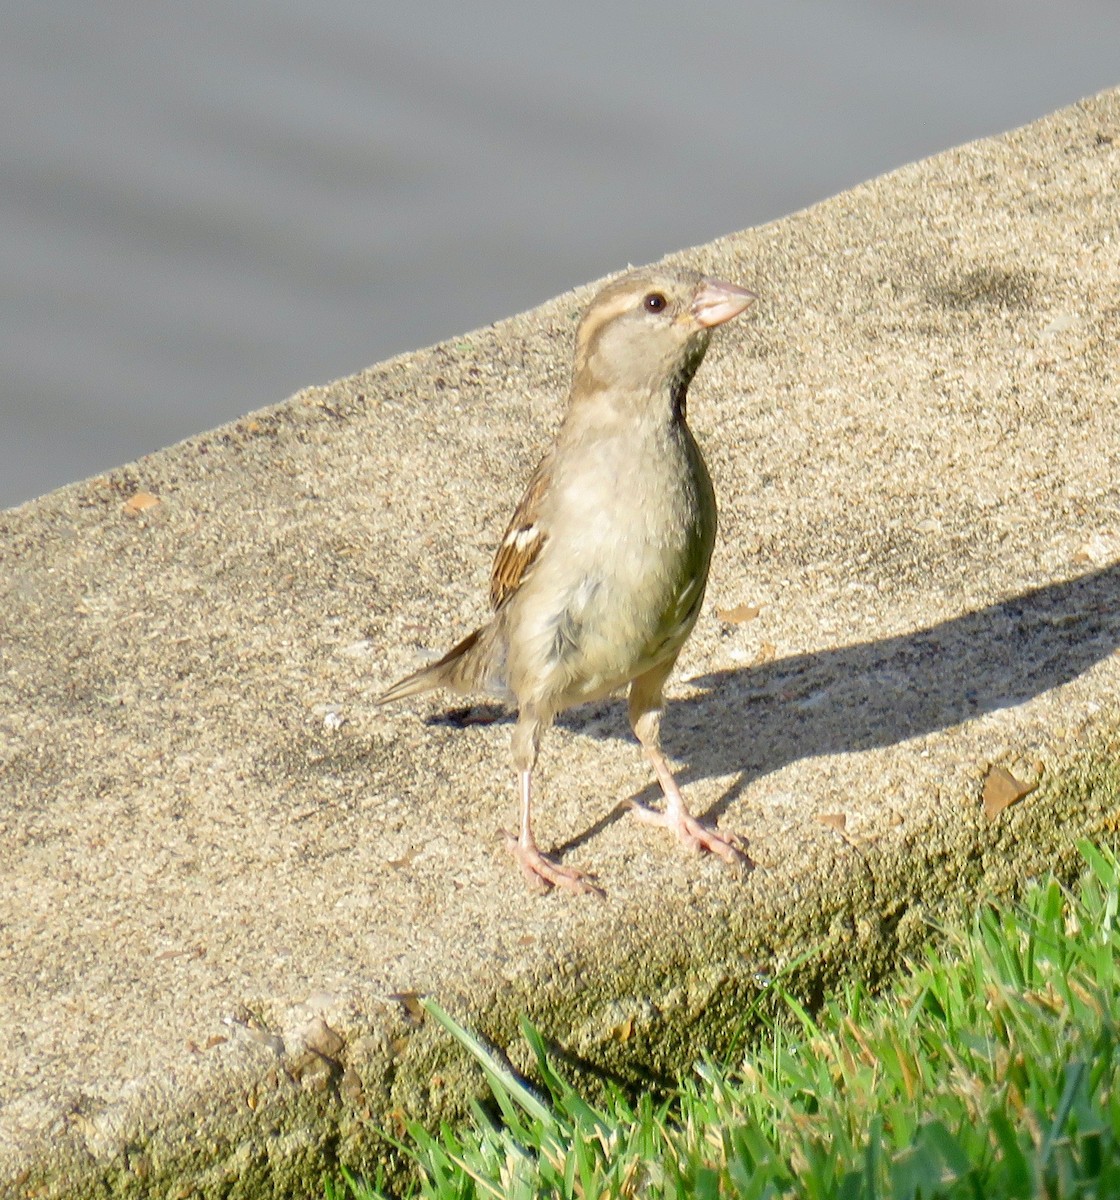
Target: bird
point(600, 575)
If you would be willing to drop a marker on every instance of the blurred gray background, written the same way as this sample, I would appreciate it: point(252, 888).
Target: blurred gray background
point(207, 205)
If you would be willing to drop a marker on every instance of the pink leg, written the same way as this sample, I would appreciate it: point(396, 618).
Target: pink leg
point(645, 720)
point(675, 816)
point(536, 867)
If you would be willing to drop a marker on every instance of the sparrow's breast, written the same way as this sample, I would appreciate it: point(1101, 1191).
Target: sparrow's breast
point(621, 581)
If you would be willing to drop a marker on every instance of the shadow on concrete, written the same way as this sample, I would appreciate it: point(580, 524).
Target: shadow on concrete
point(874, 694)
point(752, 720)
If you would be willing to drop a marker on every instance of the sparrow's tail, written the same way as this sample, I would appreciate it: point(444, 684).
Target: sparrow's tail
point(476, 664)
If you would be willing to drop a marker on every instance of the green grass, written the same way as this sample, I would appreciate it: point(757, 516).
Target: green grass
point(989, 1070)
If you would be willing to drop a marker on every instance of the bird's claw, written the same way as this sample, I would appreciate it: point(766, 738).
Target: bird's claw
point(539, 870)
point(728, 846)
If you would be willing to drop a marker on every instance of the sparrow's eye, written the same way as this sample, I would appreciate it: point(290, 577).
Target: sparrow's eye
point(654, 302)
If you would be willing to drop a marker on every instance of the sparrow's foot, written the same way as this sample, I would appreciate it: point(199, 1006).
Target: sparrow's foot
point(539, 869)
point(729, 846)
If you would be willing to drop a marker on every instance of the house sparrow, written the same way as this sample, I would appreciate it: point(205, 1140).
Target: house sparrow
point(600, 576)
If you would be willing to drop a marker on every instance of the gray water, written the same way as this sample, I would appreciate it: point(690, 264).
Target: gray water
point(208, 205)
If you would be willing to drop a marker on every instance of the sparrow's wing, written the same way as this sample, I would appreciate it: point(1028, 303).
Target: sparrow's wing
point(524, 538)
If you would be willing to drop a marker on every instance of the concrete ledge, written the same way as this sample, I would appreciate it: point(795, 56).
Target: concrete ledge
point(222, 866)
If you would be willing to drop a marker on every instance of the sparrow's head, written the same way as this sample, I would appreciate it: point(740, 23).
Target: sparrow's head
point(647, 330)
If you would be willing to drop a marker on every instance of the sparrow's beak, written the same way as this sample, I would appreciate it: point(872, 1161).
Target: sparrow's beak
point(717, 302)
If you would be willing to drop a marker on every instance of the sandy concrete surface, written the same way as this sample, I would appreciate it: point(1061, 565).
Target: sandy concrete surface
point(222, 866)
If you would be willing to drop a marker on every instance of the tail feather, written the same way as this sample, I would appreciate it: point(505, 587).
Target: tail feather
point(469, 666)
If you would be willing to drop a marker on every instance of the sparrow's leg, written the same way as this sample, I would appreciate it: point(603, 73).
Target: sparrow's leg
point(645, 719)
point(536, 867)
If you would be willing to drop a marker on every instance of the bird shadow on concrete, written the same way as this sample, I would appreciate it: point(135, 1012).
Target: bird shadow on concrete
point(752, 720)
point(755, 720)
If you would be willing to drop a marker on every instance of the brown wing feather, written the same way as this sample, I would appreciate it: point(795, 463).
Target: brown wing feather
point(523, 539)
